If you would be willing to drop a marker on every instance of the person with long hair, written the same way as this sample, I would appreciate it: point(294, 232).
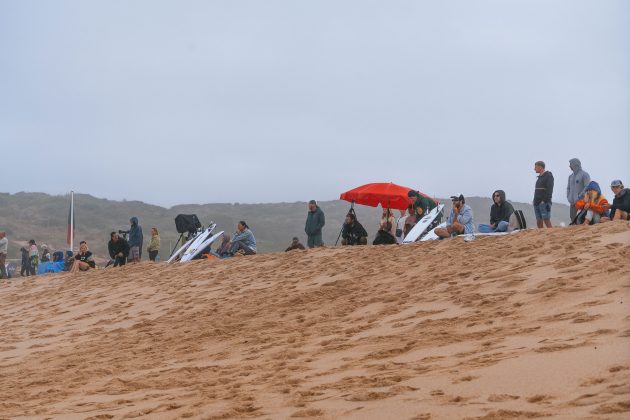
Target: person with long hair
point(83, 260)
point(154, 245)
point(594, 204)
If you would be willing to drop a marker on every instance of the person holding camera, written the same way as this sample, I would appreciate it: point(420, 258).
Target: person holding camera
point(118, 249)
point(460, 220)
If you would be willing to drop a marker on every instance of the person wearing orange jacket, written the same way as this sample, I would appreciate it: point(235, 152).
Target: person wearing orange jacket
point(594, 203)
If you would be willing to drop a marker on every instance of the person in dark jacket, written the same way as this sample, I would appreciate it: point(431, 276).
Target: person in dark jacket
point(24, 270)
point(84, 260)
point(353, 232)
point(422, 205)
point(620, 209)
point(576, 186)
point(542, 195)
point(135, 240)
point(295, 244)
point(118, 249)
point(500, 213)
point(315, 221)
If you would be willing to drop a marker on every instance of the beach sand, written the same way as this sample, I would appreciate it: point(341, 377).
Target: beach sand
point(519, 326)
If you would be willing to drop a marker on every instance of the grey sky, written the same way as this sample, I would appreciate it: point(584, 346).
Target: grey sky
point(222, 101)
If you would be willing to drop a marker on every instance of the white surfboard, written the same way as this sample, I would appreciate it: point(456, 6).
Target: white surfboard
point(198, 241)
point(422, 225)
point(201, 247)
point(182, 249)
point(431, 236)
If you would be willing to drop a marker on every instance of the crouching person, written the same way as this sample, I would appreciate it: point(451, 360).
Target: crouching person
point(594, 205)
point(83, 261)
point(353, 232)
point(243, 240)
point(620, 208)
point(460, 220)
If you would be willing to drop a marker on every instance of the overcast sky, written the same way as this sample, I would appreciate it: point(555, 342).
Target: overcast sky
point(174, 102)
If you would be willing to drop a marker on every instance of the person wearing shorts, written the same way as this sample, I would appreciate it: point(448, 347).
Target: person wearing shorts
point(542, 195)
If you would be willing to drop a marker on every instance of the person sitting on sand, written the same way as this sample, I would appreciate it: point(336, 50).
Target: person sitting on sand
point(83, 261)
point(386, 234)
point(620, 208)
point(410, 221)
point(594, 205)
point(353, 232)
point(460, 220)
point(223, 250)
point(295, 244)
point(500, 213)
point(118, 249)
point(243, 240)
point(45, 254)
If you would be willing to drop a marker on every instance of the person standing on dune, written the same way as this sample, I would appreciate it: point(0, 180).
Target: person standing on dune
point(315, 221)
point(542, 195)
point(4, 246)
point(135, 240)
point(576, 186)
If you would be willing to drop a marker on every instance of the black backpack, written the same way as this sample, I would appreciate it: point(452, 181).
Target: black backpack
point(517, 221)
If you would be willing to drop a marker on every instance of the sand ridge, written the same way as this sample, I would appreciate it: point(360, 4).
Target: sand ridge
point(520, 326)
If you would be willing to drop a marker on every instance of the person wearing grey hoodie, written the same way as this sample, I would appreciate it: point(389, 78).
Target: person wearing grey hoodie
point(576, 187)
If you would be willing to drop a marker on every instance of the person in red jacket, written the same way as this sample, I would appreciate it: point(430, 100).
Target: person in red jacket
point(594, 203)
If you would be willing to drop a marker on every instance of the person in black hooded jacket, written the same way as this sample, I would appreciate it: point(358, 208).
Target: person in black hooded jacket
point(500, 212)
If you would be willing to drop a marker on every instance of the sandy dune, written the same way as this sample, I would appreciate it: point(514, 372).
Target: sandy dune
point(530, 325)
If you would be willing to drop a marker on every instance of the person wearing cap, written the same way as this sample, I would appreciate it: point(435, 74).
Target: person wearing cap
point(353, 232)
point(594, 204)
point(45, 254)
point(4, 249)
point(460, 220)
point(243, 240)
point(576, 186)
point(542, 195)
point(295, 244)
point(315, 221)
point(135, 240)
point(620, 208)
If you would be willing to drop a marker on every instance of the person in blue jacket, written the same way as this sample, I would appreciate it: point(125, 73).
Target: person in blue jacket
point(135, 240)
point(460, 220)
point(243, 240)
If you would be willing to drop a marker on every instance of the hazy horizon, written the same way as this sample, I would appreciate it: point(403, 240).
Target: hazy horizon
point(205, 102)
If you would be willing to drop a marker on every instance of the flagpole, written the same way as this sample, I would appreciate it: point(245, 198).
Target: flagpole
point(71, 220)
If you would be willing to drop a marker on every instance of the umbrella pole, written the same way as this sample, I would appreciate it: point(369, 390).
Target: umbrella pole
point(349, 211)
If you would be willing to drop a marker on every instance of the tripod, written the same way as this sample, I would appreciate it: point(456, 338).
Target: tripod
point(351, 211)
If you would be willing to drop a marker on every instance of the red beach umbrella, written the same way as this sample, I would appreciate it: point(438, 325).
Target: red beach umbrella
point(387, 194)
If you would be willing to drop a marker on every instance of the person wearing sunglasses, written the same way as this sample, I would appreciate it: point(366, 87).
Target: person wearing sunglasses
point(500, 213)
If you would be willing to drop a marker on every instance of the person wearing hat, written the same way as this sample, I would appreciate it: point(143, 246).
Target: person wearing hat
point(594, 204)
point(460, 220)
point(620, 209)
point(542, 195)
point(295, 244)
point(315, 221)
point(243, 240)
